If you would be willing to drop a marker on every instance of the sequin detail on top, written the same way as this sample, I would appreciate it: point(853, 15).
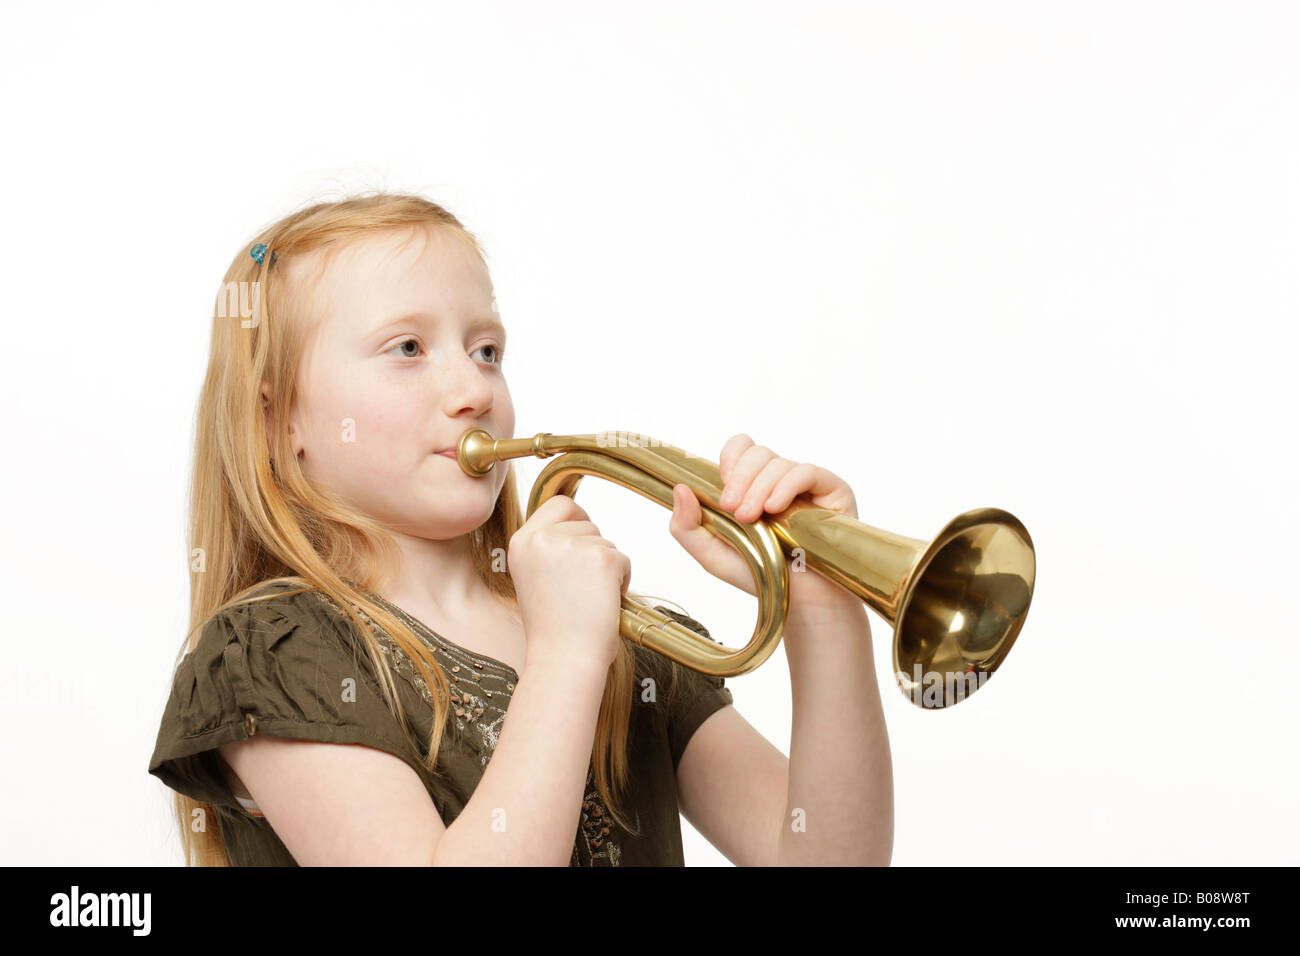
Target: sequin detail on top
point(595, 845)
point(479, 689)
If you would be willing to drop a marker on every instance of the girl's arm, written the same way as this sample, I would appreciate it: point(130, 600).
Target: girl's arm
point(349, 804)
point(838, 789)
point(527, 808)
point(840, 805)
point(832, 802)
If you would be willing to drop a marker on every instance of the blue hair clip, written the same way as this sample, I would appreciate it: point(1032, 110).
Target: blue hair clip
point(258, 252)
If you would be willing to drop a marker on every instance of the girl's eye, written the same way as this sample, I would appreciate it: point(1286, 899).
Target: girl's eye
point(404, 342)
point(496, 351)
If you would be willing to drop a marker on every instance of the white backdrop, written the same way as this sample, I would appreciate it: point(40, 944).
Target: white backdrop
point(1033, 256)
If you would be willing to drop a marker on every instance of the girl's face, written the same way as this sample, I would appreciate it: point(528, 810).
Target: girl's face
point(405, 358)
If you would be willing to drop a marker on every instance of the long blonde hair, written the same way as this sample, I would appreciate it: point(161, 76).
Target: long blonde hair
point(257, 523)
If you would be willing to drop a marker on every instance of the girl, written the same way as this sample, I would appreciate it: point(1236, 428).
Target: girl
point(387, 665)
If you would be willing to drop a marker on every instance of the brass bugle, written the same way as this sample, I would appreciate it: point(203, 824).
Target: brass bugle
point(956, 603)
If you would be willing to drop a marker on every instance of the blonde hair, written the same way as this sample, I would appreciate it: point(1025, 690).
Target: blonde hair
point(257, 523)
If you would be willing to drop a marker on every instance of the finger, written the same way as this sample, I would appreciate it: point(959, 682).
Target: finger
point(731, 452)
point(800, 479)
point(747, 466)
point(560, 508)
point(751, 507)
point(686, 509)
point(687, 524)
point(714, 555)
point(577, 529)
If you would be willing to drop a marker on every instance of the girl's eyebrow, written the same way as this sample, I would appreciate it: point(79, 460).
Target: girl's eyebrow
point(489, 323)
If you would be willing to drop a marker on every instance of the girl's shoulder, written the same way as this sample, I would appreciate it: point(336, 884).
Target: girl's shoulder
point(273, 665)
point(280, 602)
point(691, 697)
point(680, 672)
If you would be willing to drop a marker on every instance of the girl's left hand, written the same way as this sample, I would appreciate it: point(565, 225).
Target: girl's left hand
point(759, 482)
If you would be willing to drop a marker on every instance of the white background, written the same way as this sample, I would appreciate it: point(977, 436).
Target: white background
point(1025, 255)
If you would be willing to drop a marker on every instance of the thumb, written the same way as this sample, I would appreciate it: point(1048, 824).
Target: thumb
point(687, 513)
point(686, 510)
point(716, 557)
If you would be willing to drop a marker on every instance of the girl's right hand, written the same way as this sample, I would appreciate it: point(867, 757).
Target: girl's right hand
point(569, 582)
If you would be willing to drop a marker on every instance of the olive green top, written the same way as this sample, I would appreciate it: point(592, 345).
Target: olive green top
point(282, 667)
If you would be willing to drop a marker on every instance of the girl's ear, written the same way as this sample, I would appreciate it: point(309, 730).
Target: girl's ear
point(266, 411)
point(266, 416)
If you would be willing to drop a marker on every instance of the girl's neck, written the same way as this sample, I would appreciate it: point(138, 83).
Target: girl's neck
point(481, 611)
point(437, 575)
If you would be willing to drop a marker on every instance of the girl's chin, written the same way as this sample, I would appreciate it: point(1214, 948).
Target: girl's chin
point(436, 527)
point(452, 511)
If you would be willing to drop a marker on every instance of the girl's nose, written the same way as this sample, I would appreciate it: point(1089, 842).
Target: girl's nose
point(465, 387)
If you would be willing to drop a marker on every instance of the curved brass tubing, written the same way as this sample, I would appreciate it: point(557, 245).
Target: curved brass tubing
point(956, 603)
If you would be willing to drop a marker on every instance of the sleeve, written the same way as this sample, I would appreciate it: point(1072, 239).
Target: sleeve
point(694, 697)
point(269, 668)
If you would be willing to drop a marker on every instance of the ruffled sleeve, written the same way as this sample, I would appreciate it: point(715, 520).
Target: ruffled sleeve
point(694, 697)
point(276, 668)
